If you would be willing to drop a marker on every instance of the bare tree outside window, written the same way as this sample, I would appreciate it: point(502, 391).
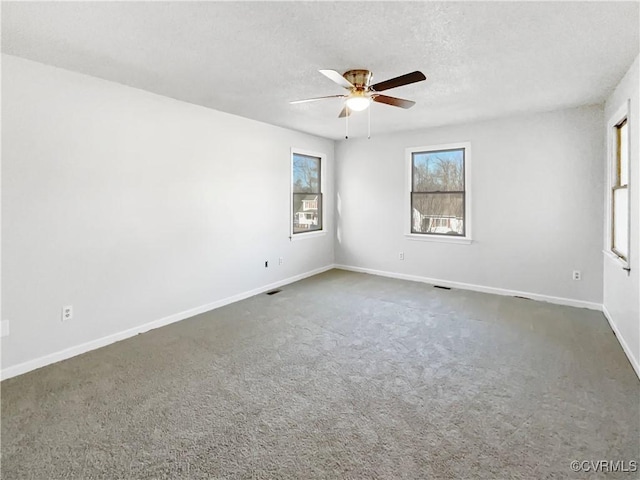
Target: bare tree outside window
point(307, 194)
point(438, 192)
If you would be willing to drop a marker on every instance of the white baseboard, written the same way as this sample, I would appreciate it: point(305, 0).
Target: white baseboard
point(45, 360)
point(501, 291)
point(109, 339)
point(632, 360)
point(477, 288)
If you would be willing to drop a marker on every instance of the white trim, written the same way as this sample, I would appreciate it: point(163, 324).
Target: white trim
point(467, 189)
point(116, 337)
point(512, 293)
point(634, 361)
point(323, 174)
point(302, 235)
point(620, 114)
point(45, 360)
point(615, 258)
point(437, 238)
point(477, 288)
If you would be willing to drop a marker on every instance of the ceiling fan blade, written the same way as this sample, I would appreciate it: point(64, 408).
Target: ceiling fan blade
point(315, 99)
point(396, 102)
point(345, 112)
point(405, 79)
point(337, 78)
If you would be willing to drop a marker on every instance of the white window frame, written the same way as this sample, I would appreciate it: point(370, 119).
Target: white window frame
point(467, 239)
point(612, 145)
point(323, 171)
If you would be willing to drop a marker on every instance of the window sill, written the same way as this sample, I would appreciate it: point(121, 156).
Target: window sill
point(302, 236)
point(616, 259)
point(438, 238)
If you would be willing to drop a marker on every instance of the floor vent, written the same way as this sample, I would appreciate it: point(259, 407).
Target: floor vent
point(443, 288)
point(273, 292)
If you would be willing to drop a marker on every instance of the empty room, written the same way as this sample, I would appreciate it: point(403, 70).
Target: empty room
point(320, 240)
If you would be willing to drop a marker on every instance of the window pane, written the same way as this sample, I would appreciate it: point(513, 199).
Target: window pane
point(438, 171)
point(441, 213)
point(624, 154)
point(621, 221)
point(307, 212)
point(306, 174)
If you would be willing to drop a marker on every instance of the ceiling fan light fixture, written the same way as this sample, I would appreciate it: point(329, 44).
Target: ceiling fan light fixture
point(357, 103)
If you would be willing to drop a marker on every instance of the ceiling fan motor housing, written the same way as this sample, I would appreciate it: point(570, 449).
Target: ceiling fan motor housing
point(360, 78)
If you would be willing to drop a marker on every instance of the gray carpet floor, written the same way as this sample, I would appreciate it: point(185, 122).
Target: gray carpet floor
point(341, 375)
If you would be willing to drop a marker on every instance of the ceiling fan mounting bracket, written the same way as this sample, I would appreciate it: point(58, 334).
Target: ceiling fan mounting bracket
point(361, 79)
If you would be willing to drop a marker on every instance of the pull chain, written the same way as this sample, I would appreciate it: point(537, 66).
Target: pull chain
point(369, 121)
point(346, 118)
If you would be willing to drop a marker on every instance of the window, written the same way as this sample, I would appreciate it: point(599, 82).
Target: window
point(619, 195)
point(439, 197)
point(306, 188)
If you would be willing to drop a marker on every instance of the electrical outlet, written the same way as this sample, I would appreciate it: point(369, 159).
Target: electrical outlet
point(5, 328)
point(577, 275)
point(67, 313)
point(280, 261)
point(401, 255)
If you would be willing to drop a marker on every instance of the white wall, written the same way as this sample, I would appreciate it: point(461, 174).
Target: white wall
point(537, 205)
point(133, 207)
point(621, 291)
point(129, 206)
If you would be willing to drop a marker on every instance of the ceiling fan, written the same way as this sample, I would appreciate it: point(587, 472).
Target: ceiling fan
point(362, 93)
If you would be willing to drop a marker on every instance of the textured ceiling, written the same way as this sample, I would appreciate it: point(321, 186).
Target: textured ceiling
point(482, 59)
